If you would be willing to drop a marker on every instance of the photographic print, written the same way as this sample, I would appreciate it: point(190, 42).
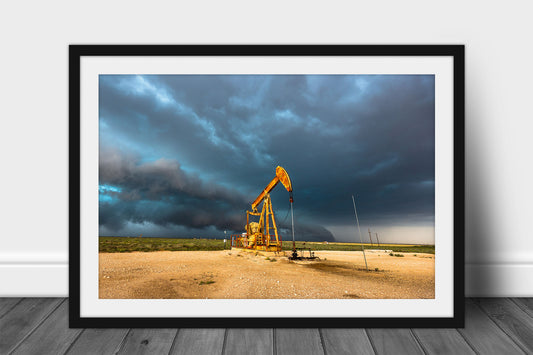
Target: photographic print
point(197, 175)
point(251, 189)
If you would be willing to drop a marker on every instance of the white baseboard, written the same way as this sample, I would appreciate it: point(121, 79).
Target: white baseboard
point(51, 280)
point(34, 280)
point(499, 280)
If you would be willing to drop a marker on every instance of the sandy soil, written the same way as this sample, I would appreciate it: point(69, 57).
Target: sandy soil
point(243, 274)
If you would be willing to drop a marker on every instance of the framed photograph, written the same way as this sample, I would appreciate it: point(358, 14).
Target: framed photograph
point(266, 186)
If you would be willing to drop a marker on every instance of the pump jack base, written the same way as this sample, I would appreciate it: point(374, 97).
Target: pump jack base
point(298, 254)
point(259, 252)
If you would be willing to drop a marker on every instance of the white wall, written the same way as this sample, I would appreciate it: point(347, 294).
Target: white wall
point(34, 110)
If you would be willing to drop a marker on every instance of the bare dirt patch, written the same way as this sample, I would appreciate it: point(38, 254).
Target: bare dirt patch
point(241, 274)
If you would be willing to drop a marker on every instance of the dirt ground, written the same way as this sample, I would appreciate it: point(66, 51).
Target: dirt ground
point(243, 274)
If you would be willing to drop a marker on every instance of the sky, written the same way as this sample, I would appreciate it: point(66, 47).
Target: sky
point(185, 155)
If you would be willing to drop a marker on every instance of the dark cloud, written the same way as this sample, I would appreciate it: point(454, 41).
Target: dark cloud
point(162, 194)
point(195, 150)
point(158, 180)
point(306, 232)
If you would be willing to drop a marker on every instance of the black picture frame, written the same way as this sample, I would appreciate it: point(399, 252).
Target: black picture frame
point(77, 52)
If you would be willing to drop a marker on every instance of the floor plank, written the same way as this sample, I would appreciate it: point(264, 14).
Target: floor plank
point(298, 341)
point(148, 341)
point(40, 326)
point(346, 341)
point(7, 303)
point(526, 304)
point(98, 342)
point(442, 341)
point(484, 335)
point(199, 341)
point(23, 318)
point(394, 341)
point(511, 319)
point(249, 341)
point(53, 336)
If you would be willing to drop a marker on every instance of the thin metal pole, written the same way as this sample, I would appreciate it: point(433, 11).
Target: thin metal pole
point(292, 219)
point(377, 239)
point(360, 235)
point(372, 244)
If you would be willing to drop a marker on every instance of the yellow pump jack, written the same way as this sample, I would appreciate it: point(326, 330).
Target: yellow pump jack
point(257, 234)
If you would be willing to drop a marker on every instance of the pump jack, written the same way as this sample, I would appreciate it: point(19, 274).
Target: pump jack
point(257, 234)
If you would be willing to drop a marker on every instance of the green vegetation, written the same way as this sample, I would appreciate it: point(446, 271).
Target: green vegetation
point(206, 282)
point(398, 255)
point(130, 244)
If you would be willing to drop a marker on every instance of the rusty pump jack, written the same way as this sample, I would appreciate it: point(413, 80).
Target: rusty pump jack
point(258, 234)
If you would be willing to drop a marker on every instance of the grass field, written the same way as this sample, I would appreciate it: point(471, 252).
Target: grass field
point(130, 244)
point(402, 248)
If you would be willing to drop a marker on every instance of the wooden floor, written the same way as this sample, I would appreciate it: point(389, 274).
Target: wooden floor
point(40, 326)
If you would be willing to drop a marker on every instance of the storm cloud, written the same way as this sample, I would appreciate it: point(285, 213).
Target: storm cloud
point(185, 153)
